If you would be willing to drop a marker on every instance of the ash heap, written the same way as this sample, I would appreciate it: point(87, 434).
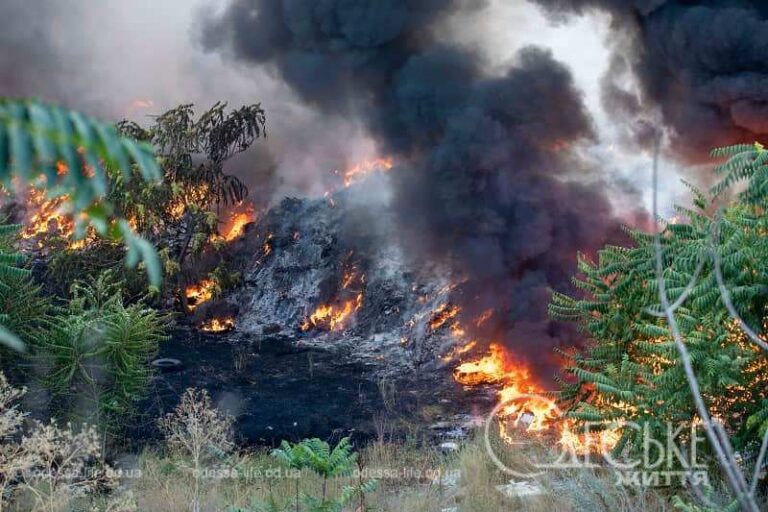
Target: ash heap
point(328, 272)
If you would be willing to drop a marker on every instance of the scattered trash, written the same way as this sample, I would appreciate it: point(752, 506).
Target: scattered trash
point(520, 489)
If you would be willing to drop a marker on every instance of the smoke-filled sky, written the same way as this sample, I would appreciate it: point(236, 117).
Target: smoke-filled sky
point(120, 59)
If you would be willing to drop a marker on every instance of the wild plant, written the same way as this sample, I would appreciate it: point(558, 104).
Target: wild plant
point(49, 462)
point(200, 432)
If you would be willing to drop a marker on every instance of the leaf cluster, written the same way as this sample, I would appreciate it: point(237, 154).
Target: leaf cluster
point(629, 370)
point(95, 354)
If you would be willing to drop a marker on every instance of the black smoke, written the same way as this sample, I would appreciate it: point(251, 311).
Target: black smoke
point(701, 64)
point(487, 181)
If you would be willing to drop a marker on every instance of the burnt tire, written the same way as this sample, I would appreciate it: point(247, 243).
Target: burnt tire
point(167, 364)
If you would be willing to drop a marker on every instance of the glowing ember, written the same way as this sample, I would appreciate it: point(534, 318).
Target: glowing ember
point(218, 325)
point(484, 317)
point(363, 169)
point(333, 317)
point(199, 293)
point(267, 247)
point(457, 330)
point(441, 315)
point(351, 277)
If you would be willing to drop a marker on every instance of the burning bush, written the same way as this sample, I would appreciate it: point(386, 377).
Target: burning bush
point(201, 292)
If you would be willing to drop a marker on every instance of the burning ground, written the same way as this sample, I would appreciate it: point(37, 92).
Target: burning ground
point(328, 276)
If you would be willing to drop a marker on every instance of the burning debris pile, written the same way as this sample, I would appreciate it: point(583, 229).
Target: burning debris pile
point(326, 272)
point(336, 316)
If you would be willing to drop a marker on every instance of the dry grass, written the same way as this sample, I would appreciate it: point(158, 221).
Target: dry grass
point(411, 480)
point(184, 477)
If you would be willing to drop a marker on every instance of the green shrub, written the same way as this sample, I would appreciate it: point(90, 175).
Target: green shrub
point(96, 354)
point(630, 367)
point(23, 308)
point(317, 456)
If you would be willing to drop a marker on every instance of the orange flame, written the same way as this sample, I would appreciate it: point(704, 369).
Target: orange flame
point(519, 408)
point(47, 215)
point(199, 293)
point(198, 194)
point(523, 403)
point(441, 315)
point(333, 317)
point(487, 370)
point(458, 351)
point(176, 209)
point(358, 172)
point(235, 226)
point(218, 325)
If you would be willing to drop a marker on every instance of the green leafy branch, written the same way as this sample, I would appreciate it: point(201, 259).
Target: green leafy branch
point(68, 153)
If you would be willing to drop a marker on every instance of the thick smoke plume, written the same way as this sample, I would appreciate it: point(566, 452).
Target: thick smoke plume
point(701, 64)
point(486, 180)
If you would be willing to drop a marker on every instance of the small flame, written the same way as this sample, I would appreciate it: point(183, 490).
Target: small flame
point(218, 325)
point(333, 317)
point(235, 226)
point(459, 351)
point(484, 317)
point(176, 209)
point(47, 215)
point(267, 247)
point(360, 171)
point(198, 194)
point(351, 277)
point(443, 314)
point(200, 292)
point(583, 443)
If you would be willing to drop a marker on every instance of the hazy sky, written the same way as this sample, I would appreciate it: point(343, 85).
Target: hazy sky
point(117, 58)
